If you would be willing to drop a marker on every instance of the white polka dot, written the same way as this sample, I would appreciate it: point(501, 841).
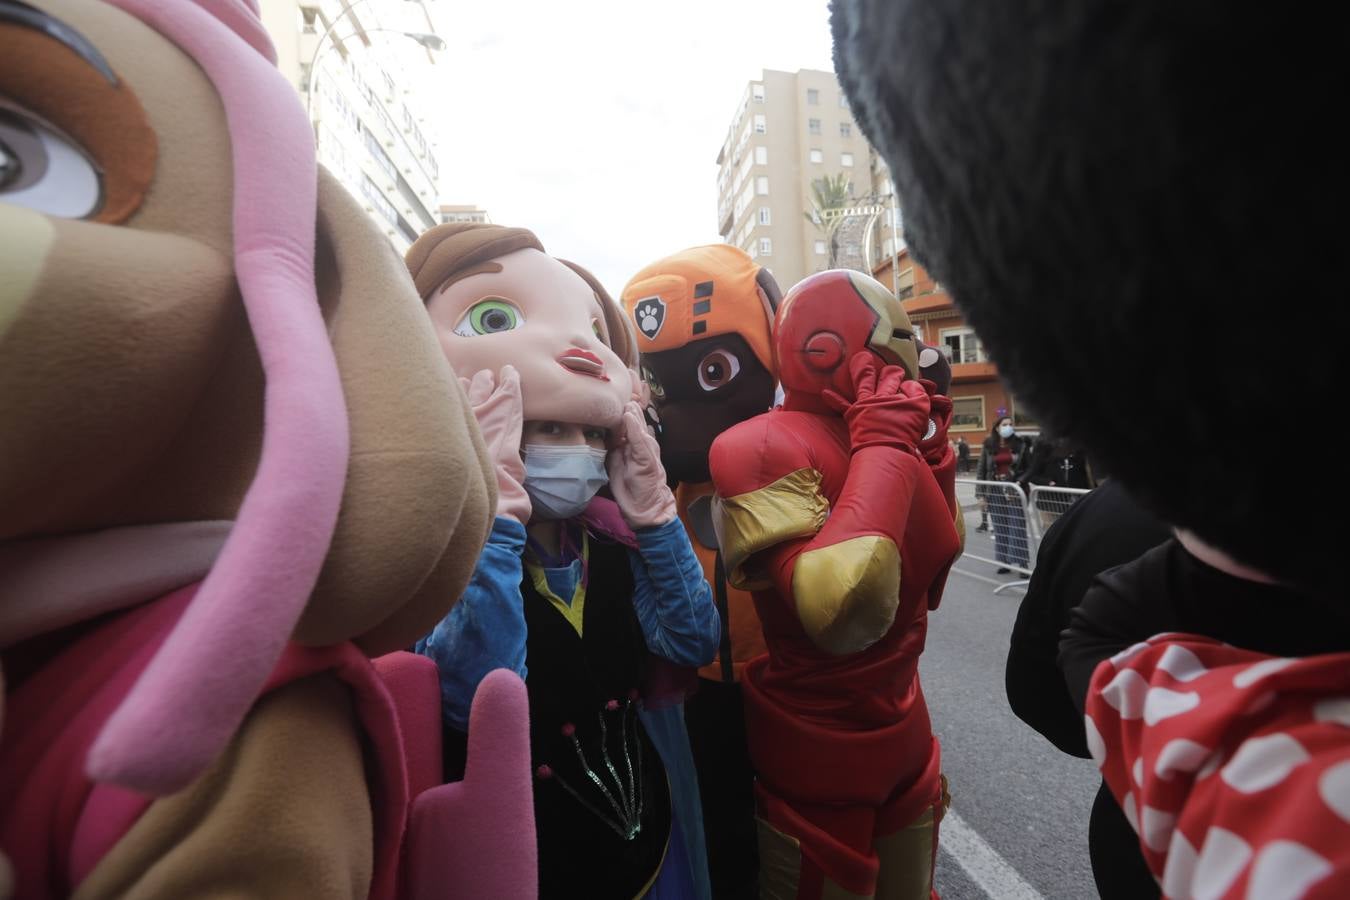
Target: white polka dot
point(1138, 771)
point(1096, 743)
point(1129, 653)
point(1210, 767)
point(1161, 703)
point(1181, 664)
point(1333, 709)
point(1263, 762)
point(1179, 756)
point(1255, 672)
point(1222, 859)
point(1131, 810)
point(1179, 868)
point(1334, 786)
point(1158, 826)
point(1125, 694)
point(1284, 870)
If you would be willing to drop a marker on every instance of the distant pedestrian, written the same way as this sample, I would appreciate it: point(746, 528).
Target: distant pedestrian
point(1005, 457)
point(962, 454)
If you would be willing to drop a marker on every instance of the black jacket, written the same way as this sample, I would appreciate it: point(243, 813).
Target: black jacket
point(1021, 449)
point(1102, 530)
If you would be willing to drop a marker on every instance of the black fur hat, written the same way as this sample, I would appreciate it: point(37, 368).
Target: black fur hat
point(1129, 199)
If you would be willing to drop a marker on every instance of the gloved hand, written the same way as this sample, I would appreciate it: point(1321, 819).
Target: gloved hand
point(497, 406)
point(933, 447)
point(636, 477)
point(642, 395)
point(886, 409)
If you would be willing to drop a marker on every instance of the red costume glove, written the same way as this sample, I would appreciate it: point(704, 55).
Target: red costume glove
point(886, 409)
point(933, 447)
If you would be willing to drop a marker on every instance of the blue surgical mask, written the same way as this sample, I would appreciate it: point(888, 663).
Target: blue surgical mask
point(561, 480)
point(1005, 431)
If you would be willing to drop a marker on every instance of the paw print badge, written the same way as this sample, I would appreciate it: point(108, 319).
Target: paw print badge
point(650, 315)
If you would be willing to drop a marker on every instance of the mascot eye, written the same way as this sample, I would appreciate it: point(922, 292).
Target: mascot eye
point(658, 392)
point(44, 170)
point(717, 369)
point(491, 316)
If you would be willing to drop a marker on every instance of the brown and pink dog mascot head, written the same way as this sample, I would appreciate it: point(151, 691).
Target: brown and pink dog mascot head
point(217, 385)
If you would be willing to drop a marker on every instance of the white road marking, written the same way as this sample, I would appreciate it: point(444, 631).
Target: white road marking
point(981, 862)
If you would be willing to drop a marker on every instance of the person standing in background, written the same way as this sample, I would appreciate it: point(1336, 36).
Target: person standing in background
point(1005, 457)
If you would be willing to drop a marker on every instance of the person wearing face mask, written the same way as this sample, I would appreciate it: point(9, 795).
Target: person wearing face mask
point(588, 599)
point(1005, 457)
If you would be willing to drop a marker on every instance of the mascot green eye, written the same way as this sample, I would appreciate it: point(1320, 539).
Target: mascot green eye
point(490, 316)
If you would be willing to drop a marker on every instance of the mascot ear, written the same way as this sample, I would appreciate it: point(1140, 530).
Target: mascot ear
point(418, 497)
point(769, 291)
point(933, 365)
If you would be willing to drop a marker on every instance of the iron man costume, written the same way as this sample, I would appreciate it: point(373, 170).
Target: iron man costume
point(837, 511)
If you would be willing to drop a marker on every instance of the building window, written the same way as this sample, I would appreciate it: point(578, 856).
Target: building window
point(962, 345)
point(846, 159)
point(817, 156)
point(762, 185)
point(813, 96)
point(761, 124)
point(813, 126)
point(1022, 417)
point(845, 130)
point(967, 414)
point(762, 156)
point(843, 101)
point(766, 246)
point(765, 216)
point(820, 248)
point(757, 92)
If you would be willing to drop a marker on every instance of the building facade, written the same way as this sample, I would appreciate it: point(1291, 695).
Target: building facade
point(790, 130)
point(356, 64)
point(451, 213)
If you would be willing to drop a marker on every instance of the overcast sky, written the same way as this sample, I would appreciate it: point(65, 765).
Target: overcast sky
point(597, 123)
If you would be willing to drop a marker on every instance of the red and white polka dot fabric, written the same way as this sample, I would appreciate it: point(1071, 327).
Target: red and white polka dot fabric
point(1232, 766)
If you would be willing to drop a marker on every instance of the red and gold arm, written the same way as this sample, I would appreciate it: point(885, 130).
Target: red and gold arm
point(840, 566)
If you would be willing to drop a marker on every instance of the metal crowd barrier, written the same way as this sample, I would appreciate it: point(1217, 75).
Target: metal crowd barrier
point(1004, 525)
point(1046, 504)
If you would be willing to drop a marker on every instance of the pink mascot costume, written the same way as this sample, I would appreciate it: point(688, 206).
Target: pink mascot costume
point(234, 468)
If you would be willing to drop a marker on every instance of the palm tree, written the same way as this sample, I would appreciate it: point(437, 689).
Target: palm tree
point(828, 193)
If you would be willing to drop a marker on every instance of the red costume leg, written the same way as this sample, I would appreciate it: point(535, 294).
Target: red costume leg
point(906, 845)
point(812, 852)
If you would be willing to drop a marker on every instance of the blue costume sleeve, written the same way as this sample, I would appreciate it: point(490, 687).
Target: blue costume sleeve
point(486, 629)
point(673, 601)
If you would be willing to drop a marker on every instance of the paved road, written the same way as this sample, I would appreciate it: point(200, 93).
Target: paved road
point(1022, 806)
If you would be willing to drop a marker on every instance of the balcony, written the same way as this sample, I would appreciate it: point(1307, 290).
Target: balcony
point(964, 373)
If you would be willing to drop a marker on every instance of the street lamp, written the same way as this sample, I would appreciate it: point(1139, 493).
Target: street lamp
point(433, 42)
point(430, 41)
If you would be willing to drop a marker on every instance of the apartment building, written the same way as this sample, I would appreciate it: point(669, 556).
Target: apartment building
point(790, 130)
point(357, 65)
